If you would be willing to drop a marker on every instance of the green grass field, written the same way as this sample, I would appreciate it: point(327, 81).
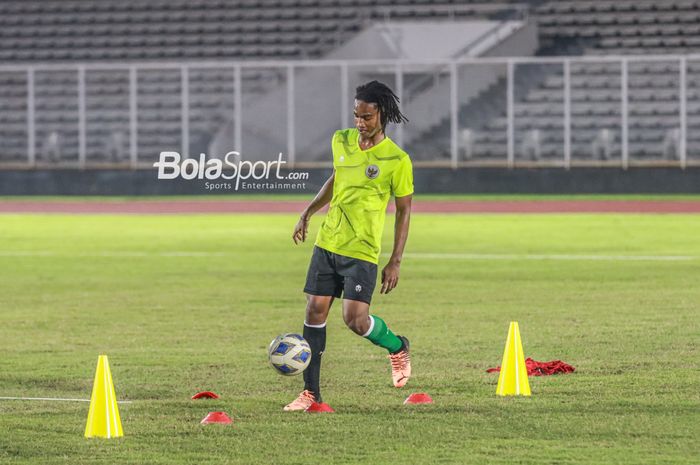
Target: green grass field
point(187, 303)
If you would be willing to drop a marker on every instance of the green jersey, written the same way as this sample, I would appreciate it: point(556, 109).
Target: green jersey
point(364, 182)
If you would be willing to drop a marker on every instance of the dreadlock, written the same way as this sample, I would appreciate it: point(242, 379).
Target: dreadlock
point(386, 100)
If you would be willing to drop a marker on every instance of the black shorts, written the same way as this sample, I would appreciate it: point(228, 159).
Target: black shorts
point(333, 274)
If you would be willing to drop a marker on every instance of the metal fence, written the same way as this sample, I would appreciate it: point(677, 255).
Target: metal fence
point(621, 111)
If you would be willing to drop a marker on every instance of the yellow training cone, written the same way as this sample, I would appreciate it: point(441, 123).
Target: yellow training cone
point(103, 419)
point(513, 378)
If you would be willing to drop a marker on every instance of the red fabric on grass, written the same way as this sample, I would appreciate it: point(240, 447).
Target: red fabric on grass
point(535, 368)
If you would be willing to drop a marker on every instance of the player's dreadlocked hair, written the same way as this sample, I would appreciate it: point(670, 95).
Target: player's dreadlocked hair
point(385, 99)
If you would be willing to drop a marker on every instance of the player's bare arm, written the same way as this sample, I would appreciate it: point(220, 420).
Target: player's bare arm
point(322, 198)
point(390, 273)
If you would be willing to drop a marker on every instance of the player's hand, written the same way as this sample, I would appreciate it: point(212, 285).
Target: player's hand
point(301, 229)
point(390, 277)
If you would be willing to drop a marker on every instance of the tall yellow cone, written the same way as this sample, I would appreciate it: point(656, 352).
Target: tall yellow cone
point(513, 378)
point(103, 418)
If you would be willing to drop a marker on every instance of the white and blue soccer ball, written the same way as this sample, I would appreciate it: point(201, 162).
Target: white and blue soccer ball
point(289, 354)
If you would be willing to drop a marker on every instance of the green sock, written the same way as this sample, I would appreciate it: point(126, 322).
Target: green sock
point(379, 334)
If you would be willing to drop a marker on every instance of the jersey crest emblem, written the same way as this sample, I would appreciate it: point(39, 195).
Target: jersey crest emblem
point(372, 171)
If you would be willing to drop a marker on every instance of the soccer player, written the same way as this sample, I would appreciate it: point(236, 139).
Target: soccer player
point(368, 168)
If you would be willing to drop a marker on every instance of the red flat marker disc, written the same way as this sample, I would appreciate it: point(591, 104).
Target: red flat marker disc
point(205, 395)
point(319, 407)
point(217, 417)
point(418, 398)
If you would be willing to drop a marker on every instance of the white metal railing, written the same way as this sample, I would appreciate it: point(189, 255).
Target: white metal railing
point(398, 70)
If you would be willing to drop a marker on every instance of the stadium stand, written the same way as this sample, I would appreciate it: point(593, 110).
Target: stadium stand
point(594, 28)
point(92, 31)
point(622, 27)
point(53, 30)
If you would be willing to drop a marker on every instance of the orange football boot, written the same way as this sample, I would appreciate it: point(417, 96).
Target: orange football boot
point(304, 401)
point(401, 365)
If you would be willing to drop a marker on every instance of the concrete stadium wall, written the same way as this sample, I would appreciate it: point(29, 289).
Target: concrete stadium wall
point(427, 180)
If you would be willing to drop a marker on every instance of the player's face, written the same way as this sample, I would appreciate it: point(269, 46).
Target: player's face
point(367, 119)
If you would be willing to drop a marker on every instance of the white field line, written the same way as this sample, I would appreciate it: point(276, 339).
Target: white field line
point(30, 253)
point(478, 256)
point(57, 399)
point(117, 254)
point(414, 255)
